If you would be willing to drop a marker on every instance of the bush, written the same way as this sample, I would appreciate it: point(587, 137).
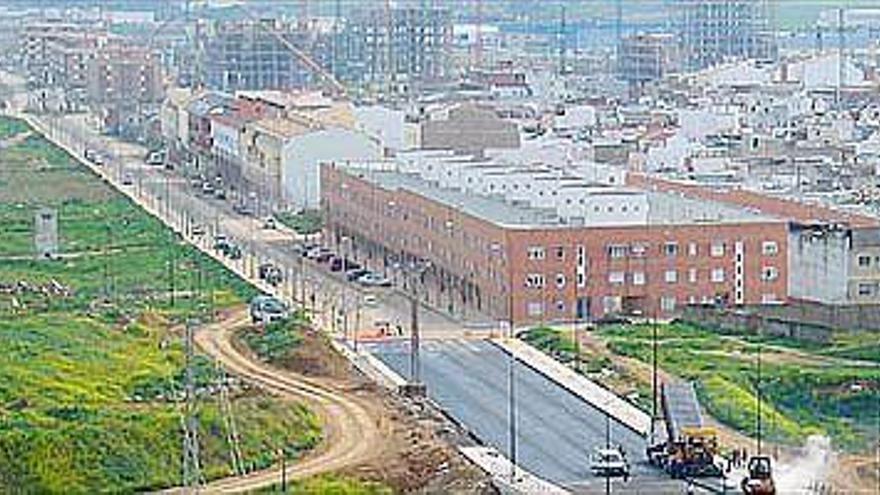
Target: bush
point(277, 340)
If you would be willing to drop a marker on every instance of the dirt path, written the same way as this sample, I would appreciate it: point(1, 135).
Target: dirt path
point(352, 428)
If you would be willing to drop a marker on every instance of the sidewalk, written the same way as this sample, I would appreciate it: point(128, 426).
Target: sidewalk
point(499, 468)
point(594, 394)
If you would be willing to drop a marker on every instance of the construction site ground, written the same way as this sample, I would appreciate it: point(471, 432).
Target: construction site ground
point(412, 447)
point(848, 474)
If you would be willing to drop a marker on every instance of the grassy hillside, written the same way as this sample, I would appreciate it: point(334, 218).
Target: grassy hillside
point(806, 389)
point(92, 363)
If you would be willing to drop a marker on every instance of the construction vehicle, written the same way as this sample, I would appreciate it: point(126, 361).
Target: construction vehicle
point(760, 478)
point(690, 449)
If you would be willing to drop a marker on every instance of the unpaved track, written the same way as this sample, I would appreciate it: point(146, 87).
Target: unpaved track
point(350, 426)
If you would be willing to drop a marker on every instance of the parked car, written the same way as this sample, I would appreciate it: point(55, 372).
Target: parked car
point(155, 157)
point(315, 252)
point(269, 223)
point(370, 300)
point(324, 257)
point(198, 230)
point(234, 252)
point(263, 269)
point(220, 193)
point(221, 243)
point(266, 309)
point(127, 180)
point(93, 156)
point(207, 188)
point(374, 280)
point(270, 273)
point(242, 209)
point(355, 273)
point(336, 264)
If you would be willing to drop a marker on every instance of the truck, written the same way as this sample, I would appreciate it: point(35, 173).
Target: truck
point(690, 449)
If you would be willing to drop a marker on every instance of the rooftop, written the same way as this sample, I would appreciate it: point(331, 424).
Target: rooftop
point(663, 208)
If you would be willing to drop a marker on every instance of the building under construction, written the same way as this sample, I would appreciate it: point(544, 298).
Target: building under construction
point(257, 55)
point(395, 46)
point(646, 57)
point(712, 31)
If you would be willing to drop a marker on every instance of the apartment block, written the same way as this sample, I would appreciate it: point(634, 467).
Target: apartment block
point(122, 80)
point(545, 249)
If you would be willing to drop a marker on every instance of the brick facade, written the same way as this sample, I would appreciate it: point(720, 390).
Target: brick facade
point(624, 269)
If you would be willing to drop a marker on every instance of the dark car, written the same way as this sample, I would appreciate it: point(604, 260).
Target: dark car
point(221, 243)
point(335, 264)
point(264, 269)
point(234, 252)
point(324, 257)
point(242, 209)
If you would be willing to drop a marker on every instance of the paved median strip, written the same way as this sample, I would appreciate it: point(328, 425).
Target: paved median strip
point(509, 481)
point(591, 392)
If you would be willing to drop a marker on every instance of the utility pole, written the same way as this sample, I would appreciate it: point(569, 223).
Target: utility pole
point(511, 385)
point(607, 446)
point(172, 266)
point(414, 335)
point(654, 373)
point(191, 467)
point(758, 391)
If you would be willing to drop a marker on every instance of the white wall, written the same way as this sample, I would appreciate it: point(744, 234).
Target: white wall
point(817, 266)
point(303, 155)
point(224, 139)
point(695, 124)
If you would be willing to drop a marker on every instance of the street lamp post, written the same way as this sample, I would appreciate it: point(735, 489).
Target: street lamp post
point(415, 272)
point(511, 385)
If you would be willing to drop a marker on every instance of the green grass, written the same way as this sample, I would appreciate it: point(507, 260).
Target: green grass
point(10, 127)
point(306, 222)
point(275, 342)
point(67, 401)
point(331, 485)
point(90, 388)
point(800, 398)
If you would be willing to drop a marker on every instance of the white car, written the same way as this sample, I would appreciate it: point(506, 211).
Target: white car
point(609, 462)
point(266, 309)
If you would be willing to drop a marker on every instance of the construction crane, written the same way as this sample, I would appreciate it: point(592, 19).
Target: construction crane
point(334, 87)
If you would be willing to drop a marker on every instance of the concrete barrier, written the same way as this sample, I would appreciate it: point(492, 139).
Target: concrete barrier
point(519, 482)
point(581, 386)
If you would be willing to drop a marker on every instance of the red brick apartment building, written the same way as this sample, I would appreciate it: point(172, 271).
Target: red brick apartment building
point(488, 256)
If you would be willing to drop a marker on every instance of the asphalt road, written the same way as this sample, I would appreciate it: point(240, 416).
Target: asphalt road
point(556, 430)
point(467, 377)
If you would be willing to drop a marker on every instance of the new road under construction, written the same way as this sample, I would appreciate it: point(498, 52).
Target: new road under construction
point(542, 416)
